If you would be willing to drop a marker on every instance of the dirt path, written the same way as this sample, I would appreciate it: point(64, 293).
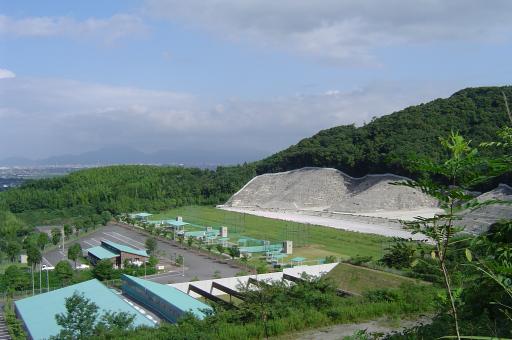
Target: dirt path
point(337, 332)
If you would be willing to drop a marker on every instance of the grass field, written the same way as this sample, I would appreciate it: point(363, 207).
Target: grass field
point(359, 279)
point(310, 241)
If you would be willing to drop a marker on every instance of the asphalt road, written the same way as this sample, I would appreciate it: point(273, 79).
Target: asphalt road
point(196, 266)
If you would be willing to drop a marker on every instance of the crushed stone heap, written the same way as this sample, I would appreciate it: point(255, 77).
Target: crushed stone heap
point(324, 189)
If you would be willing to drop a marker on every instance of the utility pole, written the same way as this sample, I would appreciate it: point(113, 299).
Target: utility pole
point(33, 284)
point(183, 264)
point(63, 235)
point(40, 283)
point(47, 282)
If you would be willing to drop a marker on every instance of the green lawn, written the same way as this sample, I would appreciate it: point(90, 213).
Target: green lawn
point(359, 279)
point(310, 241)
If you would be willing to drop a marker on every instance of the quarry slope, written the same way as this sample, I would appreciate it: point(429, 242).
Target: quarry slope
point(369, 204)
point(325, 189)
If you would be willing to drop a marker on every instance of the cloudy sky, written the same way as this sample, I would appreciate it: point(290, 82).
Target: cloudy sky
point(238, 79)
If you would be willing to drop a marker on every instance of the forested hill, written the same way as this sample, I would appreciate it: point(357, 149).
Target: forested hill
point(387, 143)
point(127, 188)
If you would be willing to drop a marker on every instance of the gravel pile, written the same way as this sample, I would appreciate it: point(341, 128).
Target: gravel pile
point(321, 189)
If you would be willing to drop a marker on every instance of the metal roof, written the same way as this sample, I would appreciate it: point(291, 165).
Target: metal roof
point(175, 223)
point(101, 252)
point(298, 259)
point(173, 296)
point(141, 214)
point(38, 312)
point(126, 249)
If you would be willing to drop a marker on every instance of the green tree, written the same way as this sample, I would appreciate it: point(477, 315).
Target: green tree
point(64, 271)
point(234, 252)
point(151, 245)
point(74, 252)
point(103, 270)
point(56, 235)
point(79, 320)
point(16, 278)
point(106, 217)
point(13, 250)
point(220, 248)
point(68, 230)
point(42, 240)
point(34, 257)
point(400, 254)
point(190, 241)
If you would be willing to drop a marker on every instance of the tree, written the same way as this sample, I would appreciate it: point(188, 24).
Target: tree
point(42, 240)
point(220, 248)
point(234, 252)
point(449, 182)
point(190, 241)
point(79, 320)
point(64, 271)
point(151, 245)
point(106, 217)
point(103, 270)
point(34, 257)
point(74, 252)
point(13, 249)
point(56, 235)
point(15, 277)
point(400, 254)
point(68, 230)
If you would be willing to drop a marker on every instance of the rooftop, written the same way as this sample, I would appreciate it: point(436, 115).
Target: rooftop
point(126, 249)
point(177, 298)
point(141, 214)
point(175, 223)
point(42, 325)
point(101, 252)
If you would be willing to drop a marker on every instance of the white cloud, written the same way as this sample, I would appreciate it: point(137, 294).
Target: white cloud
point(108, 29)
point(65, 116)
point(4, 73)
point(346, 31)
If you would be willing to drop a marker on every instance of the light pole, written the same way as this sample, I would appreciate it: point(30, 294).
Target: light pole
point(183, 264)
point(47, 282)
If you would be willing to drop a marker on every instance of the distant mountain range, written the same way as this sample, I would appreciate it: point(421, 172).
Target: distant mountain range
point(127, 155)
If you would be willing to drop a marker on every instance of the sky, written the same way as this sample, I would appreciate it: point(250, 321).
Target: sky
point(236, 79)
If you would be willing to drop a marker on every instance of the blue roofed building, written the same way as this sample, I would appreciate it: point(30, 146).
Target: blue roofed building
point(38, 312)
point(117, 253)
point(163, 300)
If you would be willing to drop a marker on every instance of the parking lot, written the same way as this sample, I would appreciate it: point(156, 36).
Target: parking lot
point(196, 266)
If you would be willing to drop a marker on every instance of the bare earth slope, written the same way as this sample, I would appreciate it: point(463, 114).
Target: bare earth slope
point(320, 189)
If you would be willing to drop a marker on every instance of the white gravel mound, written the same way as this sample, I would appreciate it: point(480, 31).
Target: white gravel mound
point(324, 189)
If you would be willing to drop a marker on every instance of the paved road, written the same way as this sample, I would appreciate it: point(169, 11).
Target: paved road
point(196, 266)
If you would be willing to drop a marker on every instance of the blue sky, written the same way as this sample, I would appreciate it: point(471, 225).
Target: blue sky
point(241, 78)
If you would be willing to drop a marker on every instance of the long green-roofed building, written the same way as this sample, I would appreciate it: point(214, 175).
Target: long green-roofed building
point(38, 312)
point(164, 300)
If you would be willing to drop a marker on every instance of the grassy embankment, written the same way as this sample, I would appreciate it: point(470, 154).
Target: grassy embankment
point(312, 243)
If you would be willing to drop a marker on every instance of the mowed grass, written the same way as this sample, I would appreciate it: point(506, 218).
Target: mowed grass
point(359, 279)
point(310, 241)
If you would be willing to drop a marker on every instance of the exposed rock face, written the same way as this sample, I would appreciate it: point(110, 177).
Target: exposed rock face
point(329, 190)
point(479, 220)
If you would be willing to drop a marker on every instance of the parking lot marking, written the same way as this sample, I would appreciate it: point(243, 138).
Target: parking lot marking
point(89, 243)
point(46, 260)
point(120, 239)
point(95, 240)
point(124, 236)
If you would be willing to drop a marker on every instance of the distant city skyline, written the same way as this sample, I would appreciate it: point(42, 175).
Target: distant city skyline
point(228, 80)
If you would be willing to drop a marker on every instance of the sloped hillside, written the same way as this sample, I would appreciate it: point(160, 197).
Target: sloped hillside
point(321, 189)
point(387, 144)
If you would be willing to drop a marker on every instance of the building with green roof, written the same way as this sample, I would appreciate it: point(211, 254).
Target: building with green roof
point(166, 301)
point(117, 253)
point(38, 312)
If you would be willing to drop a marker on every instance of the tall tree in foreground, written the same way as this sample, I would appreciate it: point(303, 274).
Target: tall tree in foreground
point(82, 321)
point(449, 182)
point(74, 252)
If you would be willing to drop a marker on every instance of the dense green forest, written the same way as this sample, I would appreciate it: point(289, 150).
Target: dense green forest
point(127, 188)
point(388, 143)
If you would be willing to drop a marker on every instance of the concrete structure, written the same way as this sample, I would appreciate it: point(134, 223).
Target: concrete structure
point(237, 281)
point(117, 253)
point(163, 300)
point(288, 247)
point(38, 312)
point(223, 231)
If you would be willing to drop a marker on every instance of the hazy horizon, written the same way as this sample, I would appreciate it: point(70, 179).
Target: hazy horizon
point(227, 81)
